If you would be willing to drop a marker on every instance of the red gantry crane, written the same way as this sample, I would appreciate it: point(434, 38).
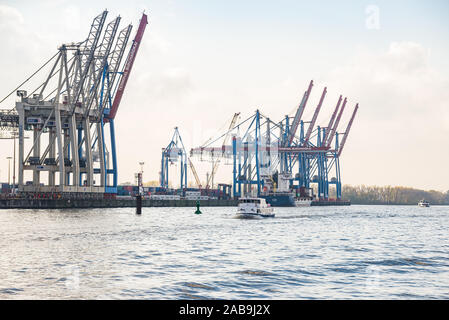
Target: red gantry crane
point(315, 116)
point(348, 128)
point(128, 66)
point(298, 115)
point(331, 121)
point(334, 127)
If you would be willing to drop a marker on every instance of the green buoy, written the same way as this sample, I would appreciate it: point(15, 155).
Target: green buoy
point(197, 207)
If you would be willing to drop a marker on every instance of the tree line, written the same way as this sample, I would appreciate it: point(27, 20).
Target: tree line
point(392, 195)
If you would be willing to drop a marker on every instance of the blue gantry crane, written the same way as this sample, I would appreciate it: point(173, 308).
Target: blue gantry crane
point(280, 161)
point(173, 153)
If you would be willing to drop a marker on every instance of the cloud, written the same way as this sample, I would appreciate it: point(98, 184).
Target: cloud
point(156, 42)
point(171, 84)
point(399, 80)
point(402, 95)
point(15, 49)
point(9, 15)
point(72, 16)
point(403, 114)
point(407, 58)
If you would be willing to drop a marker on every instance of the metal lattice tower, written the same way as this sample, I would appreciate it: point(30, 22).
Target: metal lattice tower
point(86, 55)
point(68, 124)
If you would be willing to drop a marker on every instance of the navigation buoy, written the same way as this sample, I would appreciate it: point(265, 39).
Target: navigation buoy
point(197, 207)
point(139, 204)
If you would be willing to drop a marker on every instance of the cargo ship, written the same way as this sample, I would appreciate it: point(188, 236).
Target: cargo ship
point(299, 197)
point(286, 199)
point(279, 199)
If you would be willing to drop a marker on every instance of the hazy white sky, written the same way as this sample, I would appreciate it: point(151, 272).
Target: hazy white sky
point(201, 61)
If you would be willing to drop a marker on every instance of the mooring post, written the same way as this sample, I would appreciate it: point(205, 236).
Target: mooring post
point(139, 204)
point(139, 193)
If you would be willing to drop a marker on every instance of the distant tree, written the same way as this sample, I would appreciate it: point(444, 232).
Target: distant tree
point(392, 195)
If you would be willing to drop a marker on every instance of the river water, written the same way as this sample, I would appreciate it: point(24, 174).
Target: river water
point(356, 252)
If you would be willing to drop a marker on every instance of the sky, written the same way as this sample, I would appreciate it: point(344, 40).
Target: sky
point(202, 61)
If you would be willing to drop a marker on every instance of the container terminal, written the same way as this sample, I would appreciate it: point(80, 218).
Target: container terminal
point(69, 122)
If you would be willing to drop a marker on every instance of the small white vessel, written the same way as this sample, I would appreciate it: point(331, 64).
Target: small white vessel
point(303, 202)
point(423, 203)
point(254, 208)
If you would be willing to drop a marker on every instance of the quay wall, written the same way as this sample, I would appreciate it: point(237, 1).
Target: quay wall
point(106, 203)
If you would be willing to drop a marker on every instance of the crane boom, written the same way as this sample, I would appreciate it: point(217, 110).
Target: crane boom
point(299, 113)
point(331, 121)
point(337, 121)
point(87, 56)
point(100, 61)
point(225, 141)
point(315, 116)
point(128, 66)
point(348, 128)
point(197, 179)
point(114, 62)
point(233, 121)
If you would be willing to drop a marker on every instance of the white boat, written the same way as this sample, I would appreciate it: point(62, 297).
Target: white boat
point(303, 202)
point(254, 208)
point(423, 203)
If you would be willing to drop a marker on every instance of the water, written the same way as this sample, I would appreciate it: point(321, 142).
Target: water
point(356, 252)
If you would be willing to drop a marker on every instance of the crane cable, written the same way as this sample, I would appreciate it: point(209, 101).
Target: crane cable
point(219, 129)
point(30, 77)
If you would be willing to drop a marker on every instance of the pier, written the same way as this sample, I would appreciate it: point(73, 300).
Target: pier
point(107, 203)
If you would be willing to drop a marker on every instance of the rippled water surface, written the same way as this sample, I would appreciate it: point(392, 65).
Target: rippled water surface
point(356, 252)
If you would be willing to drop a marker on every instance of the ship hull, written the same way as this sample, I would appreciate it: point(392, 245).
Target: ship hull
point(280, 200)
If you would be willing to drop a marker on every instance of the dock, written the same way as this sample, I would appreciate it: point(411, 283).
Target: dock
point(316, 203)
point(106, 203)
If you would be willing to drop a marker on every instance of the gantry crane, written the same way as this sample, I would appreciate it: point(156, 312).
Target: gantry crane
point(348, 128)
point(216, 163)
point(298, 115)
point(172, 153)
point(70, 109)
point(192, 167)
point(258, 152)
